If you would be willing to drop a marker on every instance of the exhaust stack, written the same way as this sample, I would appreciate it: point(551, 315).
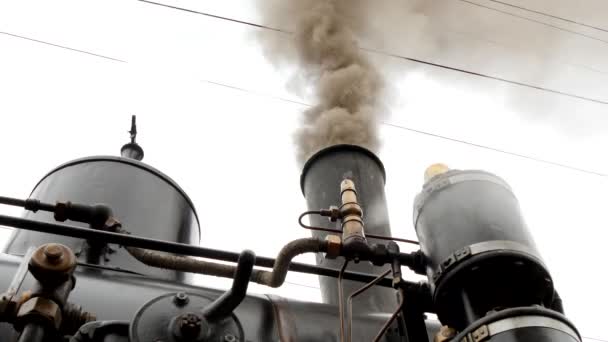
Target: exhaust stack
point(321, 178)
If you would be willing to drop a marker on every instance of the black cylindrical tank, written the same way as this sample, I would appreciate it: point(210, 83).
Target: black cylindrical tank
point(479, 251)
point(524, 324)
point(147, 202)
point(320, 181)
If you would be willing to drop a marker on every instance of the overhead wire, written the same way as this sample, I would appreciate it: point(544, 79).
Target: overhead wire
point(549, 15)
point(62, 47)
point(443, 137)
point(380, 52)
point(435, 135)
point(533, 20)
point(411, 59)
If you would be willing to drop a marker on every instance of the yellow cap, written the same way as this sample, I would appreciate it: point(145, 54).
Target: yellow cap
point(434, 170)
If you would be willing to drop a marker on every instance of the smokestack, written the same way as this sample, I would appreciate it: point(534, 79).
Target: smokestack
point(320, 182)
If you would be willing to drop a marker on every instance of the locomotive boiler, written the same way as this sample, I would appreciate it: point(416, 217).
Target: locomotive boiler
point(106, 246)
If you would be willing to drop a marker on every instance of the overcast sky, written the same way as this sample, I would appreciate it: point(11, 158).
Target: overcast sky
point(212, 110)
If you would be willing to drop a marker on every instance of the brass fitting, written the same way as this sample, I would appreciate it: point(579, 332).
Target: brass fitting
point(351, 212)
point(334, 245)
point(445, 333)
point(40, 308)
point(434, 170)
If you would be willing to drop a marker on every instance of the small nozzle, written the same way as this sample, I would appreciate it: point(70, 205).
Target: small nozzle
point(434, 170)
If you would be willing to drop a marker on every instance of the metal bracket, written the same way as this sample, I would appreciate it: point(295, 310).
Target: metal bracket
point(478, 335)
point(452, 260)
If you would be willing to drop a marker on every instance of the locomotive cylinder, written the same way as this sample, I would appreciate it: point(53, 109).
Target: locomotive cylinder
point(320, 181)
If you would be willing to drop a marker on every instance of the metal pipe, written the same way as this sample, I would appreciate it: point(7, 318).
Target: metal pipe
point(32, 332)
point(226, 303)
point(287, 253)
point(355, 294)
point(12, 201)
point(181, 248)
point(392, 318)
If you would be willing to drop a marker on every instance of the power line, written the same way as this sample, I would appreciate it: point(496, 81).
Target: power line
point(550, 15)
point(495, 78)
point(416, 60)
point(389, 124)
point(494, 149)
point(438, 136)
point(63, 47)
point(533, 20)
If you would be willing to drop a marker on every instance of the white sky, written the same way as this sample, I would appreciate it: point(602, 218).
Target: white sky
point(58, 104)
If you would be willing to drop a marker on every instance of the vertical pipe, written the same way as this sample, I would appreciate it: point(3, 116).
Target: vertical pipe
point(320, 182)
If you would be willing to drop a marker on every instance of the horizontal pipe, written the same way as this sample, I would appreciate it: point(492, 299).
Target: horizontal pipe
point(178, 248)
point(12, 201)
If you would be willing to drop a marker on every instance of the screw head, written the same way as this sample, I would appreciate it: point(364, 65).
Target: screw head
point(181, 299)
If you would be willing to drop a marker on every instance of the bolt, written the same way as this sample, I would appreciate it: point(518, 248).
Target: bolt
point(230, 338)
point(53, 252)
point(190, 325)
point(180, 299)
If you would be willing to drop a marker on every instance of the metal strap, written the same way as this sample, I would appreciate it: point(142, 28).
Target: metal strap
point(486, 331)
point(482, 247)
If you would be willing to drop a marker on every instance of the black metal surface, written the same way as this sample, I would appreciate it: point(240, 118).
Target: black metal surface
point(114, 295)
point(145, 200)
point(320, 182)
point(161, 319)
point(103, 331)
point(459, 210)
point(536, 334)
point(524, 334)
point(184, 249)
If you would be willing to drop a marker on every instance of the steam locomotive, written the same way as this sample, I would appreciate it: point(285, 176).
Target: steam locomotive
point(119, 269)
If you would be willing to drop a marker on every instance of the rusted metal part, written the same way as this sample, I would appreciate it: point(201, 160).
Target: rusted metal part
point(445, 333)
point(334, 246)
point(191, 327)
point(286, 320)
point(9, 302)
point(52, 264)
point(39, 308)
point(74, 317)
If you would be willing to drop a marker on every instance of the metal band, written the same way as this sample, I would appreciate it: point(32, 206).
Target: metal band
point(483, 247)
point(447, 179)
point(486, 331)
point(507, 245)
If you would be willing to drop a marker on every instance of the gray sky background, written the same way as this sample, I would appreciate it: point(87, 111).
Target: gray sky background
point(213, 112)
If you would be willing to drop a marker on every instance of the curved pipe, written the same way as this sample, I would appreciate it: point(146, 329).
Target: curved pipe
point(274, 278)
point(226, 303)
